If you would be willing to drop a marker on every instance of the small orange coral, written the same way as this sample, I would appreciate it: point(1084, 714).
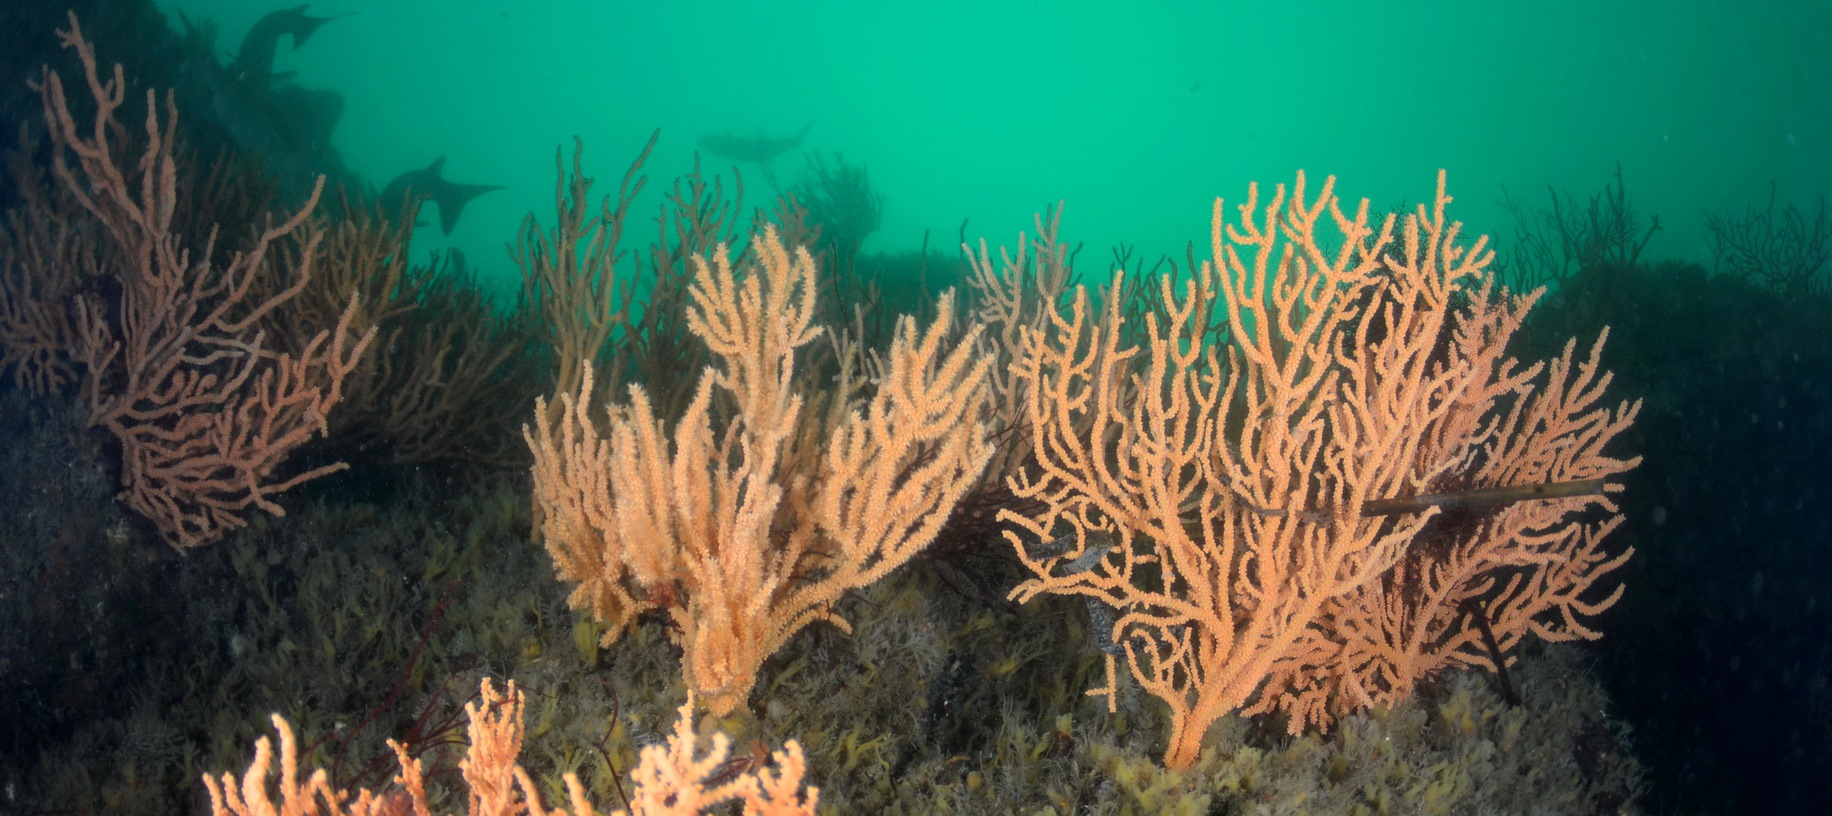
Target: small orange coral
point(670, 781)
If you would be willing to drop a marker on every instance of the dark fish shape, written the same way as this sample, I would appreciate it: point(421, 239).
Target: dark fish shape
point(759, 149)
point(1485, 497)
point(430, 185)
point(255, 61)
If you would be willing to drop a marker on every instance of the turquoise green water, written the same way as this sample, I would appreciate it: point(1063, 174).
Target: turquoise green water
point(1135, 114)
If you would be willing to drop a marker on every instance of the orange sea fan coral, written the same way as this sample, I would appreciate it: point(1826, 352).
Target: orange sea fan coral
point(751, 519)
point(1217, 492)
point(672, 780)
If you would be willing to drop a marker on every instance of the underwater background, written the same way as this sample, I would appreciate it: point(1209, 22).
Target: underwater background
point(1689, 146)
point(1134, 118)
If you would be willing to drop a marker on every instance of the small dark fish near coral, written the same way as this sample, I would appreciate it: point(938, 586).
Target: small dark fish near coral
point(429, 184)
point(254, 63)
point(759, 148)
point(1487, 496)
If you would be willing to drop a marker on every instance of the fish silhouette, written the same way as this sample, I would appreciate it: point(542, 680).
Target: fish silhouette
point(759, 148)
point(429, 184)
point(254, 62)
